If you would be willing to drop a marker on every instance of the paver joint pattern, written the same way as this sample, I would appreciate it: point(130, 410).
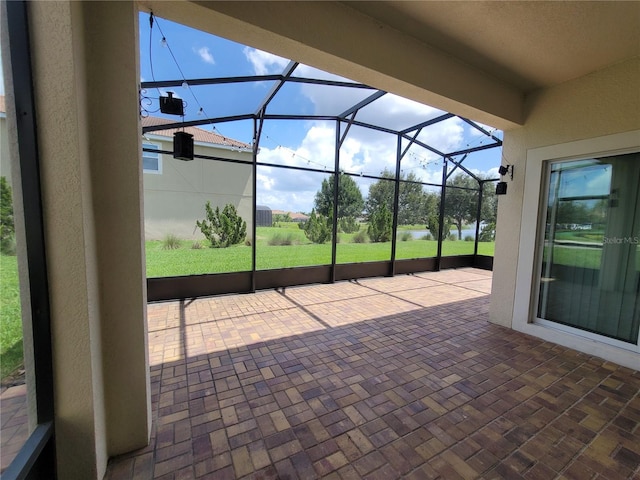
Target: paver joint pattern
point(384, 378)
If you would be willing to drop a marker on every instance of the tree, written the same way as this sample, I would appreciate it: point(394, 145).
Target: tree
point(488, 212)
point(414, 204)
point(461, 204)
point(380, 225)
point(318, 228)
point(350, 201)
point(433, 224)
point(223, 229)
point(348, 225)
point(7, 228)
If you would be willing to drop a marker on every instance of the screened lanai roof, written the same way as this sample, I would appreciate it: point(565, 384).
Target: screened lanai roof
point(287, 91)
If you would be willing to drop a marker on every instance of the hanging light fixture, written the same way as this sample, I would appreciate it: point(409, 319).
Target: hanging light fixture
point(183, 146)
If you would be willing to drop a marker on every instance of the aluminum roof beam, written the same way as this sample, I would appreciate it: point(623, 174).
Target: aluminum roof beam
point(433, 121)
point(363, 103)
point(195, 123)
point(287, 72)
point(252, 79)
point(478, 127)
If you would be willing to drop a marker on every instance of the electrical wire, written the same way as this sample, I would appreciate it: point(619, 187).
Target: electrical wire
point(184, 78)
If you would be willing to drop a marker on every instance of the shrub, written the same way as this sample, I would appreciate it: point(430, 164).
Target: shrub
point(7, 229)
point(453, 237)
point(426, 236)
point(348, 225)
point(406, 236)
point(488, 233)
point(318, 228)
point(223, 229)
point(171, 242)
point(281, 239)
point(360, 237)
point(196, 245)
point(468, 238)
point(380, 225)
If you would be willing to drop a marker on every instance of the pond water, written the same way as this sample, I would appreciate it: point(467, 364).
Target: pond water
point(418, 234)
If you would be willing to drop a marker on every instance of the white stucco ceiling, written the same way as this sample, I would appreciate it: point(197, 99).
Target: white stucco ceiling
point(528, 44)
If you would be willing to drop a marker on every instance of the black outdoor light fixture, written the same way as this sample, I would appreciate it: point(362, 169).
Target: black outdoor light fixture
point(501, 187)
point(183, 146)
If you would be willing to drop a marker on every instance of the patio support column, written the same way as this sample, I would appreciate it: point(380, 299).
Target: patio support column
point(257, 133)
point(396, 194)
point(478, 215)
point(86, 94)
point(443, 193)
point(336, 212)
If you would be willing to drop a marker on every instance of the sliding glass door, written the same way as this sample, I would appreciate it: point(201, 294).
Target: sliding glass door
point(590, 265)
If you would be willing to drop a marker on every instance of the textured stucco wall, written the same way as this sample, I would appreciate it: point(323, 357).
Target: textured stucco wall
point(73, 285)
point(93, 228)
point(112, 105)
point(602, 103)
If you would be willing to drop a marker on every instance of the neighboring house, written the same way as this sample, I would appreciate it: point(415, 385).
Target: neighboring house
point(176, 191)
point(295, 216)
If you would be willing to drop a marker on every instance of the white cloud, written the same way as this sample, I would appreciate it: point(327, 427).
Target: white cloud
point(364, 151)
point(491, 173)
point(263, 62)
point(206, 55)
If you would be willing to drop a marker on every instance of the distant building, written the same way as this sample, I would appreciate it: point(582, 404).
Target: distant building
point(264, 218)
point(295, 216)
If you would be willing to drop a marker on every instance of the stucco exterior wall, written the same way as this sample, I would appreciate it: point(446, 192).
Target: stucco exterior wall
point(93, 228)
point(600, 104)
point(175, 198)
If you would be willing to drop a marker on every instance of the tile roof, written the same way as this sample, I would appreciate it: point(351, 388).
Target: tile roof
point(294, 215)
point(199, 134)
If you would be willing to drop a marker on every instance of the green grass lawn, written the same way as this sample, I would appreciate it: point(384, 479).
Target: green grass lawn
point(297, 252)
point(11, 352)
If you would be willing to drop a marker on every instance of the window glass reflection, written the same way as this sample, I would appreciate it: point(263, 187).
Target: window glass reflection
point(590, 265)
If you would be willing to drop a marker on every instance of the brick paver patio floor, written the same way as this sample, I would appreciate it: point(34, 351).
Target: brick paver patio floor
point(383, 378)
point(14, 426)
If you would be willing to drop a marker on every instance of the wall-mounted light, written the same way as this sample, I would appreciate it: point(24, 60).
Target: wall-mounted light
point(504, 169)
point(501, 187)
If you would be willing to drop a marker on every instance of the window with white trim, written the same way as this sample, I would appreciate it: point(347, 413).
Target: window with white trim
point(151, 161)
